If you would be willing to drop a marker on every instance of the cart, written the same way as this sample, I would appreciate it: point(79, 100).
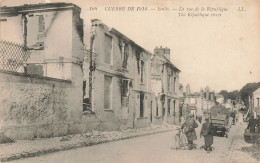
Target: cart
point(219, 117)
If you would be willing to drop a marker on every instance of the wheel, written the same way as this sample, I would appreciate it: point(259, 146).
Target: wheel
point(248, 139)
point(223, 133)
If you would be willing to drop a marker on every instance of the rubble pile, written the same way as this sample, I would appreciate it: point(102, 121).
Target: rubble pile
point(39, 146)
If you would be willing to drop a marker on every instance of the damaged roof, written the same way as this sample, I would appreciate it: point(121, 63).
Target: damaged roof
point(171, 64)
point(40, 7)
point(113, 30)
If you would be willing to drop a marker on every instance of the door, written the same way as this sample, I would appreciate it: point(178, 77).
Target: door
point(163, 110)
point(141, 104)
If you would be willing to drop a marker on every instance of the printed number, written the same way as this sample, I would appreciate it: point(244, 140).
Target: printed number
point(241, 9)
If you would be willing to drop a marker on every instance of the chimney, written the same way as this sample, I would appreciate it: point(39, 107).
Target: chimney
point(163, 51)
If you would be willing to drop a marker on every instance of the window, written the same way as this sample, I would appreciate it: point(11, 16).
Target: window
point(169, 82)
point(36, 31)
point(108, 49)
point(141, 104)
point(107, 92)
point(140, 66)
point(142, 71)
point(125, 87)
point(41, 27)
point(169, 106)
point(174, 84)
point(125, 55)
point(157, 108)
point(84, 87)
point(257, 102)
point(137, 54)
point(174, 103)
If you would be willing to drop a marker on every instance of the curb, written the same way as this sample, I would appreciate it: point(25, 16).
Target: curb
point(73, 146)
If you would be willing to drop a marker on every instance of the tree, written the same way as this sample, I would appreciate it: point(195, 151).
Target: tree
point(224, 93)
point(247, 91)
point(234, 95)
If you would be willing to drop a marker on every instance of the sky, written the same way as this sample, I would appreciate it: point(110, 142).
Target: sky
point(222, 53)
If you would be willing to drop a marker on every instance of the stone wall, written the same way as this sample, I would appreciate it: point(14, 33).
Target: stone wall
point(34, 106)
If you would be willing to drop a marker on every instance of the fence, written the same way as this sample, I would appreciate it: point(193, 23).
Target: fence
point(12, 56)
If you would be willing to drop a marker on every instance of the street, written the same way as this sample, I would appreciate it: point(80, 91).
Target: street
point(156, 148)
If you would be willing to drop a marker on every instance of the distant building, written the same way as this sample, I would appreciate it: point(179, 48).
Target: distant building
point(256, 98)
point(229, 104)
point(165, 85)
point(220, 98)
point(199, 103)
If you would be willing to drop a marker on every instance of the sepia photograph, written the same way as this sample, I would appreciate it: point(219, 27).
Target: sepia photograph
point(130, 81)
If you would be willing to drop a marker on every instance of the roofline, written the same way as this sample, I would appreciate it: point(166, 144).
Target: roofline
point(169, 63)
point(115, 31)
point(41, 7)
point(173, 66)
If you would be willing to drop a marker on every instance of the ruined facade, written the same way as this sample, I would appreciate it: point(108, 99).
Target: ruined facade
point(199, 103)
point(51, 85)
point(119, 81)
point(41, 96)
point(165, 85)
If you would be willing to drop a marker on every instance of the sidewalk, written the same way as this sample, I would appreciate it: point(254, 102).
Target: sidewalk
point(31, 148)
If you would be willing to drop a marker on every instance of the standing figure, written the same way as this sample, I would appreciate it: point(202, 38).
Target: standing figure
point(252, 124)
point(200, 118)
point(258, 123)
point(207, 133)
point(189, 129)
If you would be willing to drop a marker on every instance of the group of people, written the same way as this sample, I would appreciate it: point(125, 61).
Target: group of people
point(253, 123)
point(189, 126)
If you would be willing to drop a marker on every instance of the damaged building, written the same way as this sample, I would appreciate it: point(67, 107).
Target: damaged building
point(119, 79)
point(165, 85)
point(41, 69)
point(51, 85)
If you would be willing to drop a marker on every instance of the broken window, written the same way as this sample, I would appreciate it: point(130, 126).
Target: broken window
point(174, 103)
point(142, 70)
point(84, 87)
point(107, 92)
point(174, 84)
point(138, 61)
point(108, 49)
point(86, 100)
point(141, 104)
point(125, 56)
point(169, 106)
point(157, 108)
point(36, 31)
point(125, 87)
point(41, 27)
point(169, 82)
